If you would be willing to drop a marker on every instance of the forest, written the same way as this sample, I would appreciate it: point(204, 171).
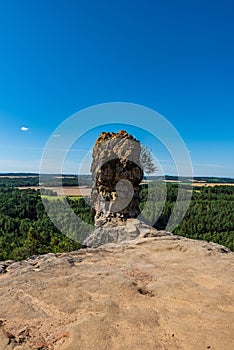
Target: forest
point(53, 180)
point(26, 229)
point(210, 215)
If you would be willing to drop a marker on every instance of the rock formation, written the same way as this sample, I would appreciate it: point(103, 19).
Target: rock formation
point(116, 174)
point(152, 293)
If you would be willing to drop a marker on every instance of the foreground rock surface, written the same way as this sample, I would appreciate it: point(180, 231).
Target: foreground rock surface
point(153, 293)
point(125, 231)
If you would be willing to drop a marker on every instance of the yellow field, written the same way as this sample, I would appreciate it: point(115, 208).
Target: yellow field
point(86, 191)
point(65, 191)
point(212, 184)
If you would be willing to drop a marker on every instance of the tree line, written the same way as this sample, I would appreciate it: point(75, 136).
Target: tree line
point(209, 216)
point(26, 229)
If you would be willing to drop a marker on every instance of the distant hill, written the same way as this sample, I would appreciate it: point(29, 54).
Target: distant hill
point(205, 179)
point(32, 179)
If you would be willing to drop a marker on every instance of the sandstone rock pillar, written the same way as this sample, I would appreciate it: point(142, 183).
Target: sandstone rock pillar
point(116, 173)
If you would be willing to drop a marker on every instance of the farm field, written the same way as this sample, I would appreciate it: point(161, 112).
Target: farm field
point(211, 184)
point(65, 191)
point(85, 191)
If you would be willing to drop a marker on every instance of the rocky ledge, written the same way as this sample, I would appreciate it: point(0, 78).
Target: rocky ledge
point(123, 231)
point(163, 292)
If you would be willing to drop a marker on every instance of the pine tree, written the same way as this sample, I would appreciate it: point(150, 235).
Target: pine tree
point(146, 160)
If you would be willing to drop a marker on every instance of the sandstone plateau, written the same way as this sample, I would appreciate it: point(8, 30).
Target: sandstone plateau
point(163, 292)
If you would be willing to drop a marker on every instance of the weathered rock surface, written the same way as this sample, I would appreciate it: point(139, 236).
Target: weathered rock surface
point(123, 232)
point(151, 293)
point(116, 173)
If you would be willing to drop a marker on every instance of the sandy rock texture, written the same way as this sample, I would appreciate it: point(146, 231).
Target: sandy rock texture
point(126, 230)
point(116, 174)
point(152, 293)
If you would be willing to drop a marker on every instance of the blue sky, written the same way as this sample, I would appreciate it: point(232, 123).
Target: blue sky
point(176, 57)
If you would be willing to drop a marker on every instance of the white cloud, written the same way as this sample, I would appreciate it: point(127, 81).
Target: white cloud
point(56, 135)
point(24, 128)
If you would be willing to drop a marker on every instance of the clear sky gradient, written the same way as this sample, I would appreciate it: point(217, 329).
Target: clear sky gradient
point(176, 57)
